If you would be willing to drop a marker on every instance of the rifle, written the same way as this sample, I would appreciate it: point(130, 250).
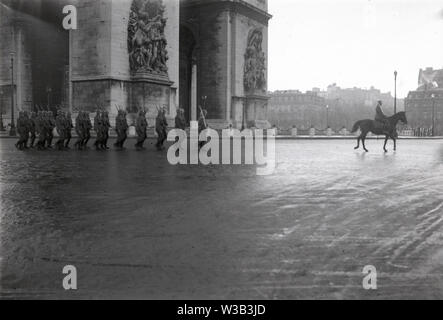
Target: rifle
point(203, 117)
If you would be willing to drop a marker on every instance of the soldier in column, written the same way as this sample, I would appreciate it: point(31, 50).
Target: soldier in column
point(79, 129)
point(32, 128)
point(40, 127)
point(50, 121)
point(180, 121)
point(87, 126)
point(141, 127)
point(124, 128)
point(121, 126)
point(161, 126)
point(117, 128)
point(106, 127)
point(60, 127)
point(21, 129)
point(68, 127)
point(98, 130)
point(28, 129)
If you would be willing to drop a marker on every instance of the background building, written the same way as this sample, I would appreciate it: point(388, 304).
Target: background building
point(335, 107)
point(424, 106)
point(294, 108)
point(138, 54)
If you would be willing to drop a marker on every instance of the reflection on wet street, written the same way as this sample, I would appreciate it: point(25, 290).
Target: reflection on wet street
point(137, 227)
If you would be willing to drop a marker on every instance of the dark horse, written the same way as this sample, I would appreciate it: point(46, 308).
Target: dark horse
point(389, 131)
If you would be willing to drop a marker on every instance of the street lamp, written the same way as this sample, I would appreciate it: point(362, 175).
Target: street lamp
point(327, 116)
point(12, 131)
point(243, 120)
point(395, 92)
point(433, 114)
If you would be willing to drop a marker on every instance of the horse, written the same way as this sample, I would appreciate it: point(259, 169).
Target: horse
point(389, 130)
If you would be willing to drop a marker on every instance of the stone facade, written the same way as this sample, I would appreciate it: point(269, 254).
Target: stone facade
point(424, 106)
point(293, 108)
point(221, 30)
point(90, 67)
point(424, 109)
point(100, 61)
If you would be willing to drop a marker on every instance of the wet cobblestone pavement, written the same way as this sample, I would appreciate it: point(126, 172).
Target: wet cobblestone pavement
point(137, 227)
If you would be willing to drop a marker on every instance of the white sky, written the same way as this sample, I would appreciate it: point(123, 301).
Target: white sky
point(314, 43)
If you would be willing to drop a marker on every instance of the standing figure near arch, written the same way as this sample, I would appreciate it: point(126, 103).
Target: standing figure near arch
point(68, 128)
point(98, 130)
point(121, 126)
point(141, 127)
point(160, 127)
point(22, 131)
point(79, 130)
point(60, 126)
point(106, 127)
point(32, 128)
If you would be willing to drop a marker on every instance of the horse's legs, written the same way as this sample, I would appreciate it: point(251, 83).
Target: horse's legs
point(386, 141)
point(358, 142)
point(395, 143)
point(363, 141)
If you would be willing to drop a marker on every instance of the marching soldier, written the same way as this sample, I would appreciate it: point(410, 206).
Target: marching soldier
point(98, 130)
point(121, 126)
point(117, 127)
point(22, 131)
point(87, 126)
point(141, 127)
point(68, 128)
point(106, 126)
point(160, 127)
point(32, 128)
point(79, 130)
point(40, 127)
point(27, 129)
point(180, 121)
point(50, 123)
point(60, 126)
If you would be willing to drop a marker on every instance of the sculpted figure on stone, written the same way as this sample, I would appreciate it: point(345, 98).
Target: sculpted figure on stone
point(146, 37)
point(255, 62)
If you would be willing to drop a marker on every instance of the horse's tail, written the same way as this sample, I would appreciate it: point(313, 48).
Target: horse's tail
point(356, 126)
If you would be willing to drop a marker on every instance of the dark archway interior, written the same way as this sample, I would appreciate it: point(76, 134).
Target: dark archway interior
point(187, 47)
point(48, 45)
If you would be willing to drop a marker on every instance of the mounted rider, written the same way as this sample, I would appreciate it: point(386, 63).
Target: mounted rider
point(380, 118)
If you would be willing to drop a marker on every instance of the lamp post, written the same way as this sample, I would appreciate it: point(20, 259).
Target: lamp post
point(12, 131)
point(327, 116)
point(395, 91)
point(243, 121)
point(433, 114)
point(2, 127)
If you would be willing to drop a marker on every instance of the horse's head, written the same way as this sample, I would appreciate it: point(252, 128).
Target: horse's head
point(402, 117)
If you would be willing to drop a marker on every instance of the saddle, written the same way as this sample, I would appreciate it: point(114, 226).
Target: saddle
point(382, 126)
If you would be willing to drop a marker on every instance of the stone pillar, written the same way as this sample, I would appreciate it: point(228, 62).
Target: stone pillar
point(15, 40)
